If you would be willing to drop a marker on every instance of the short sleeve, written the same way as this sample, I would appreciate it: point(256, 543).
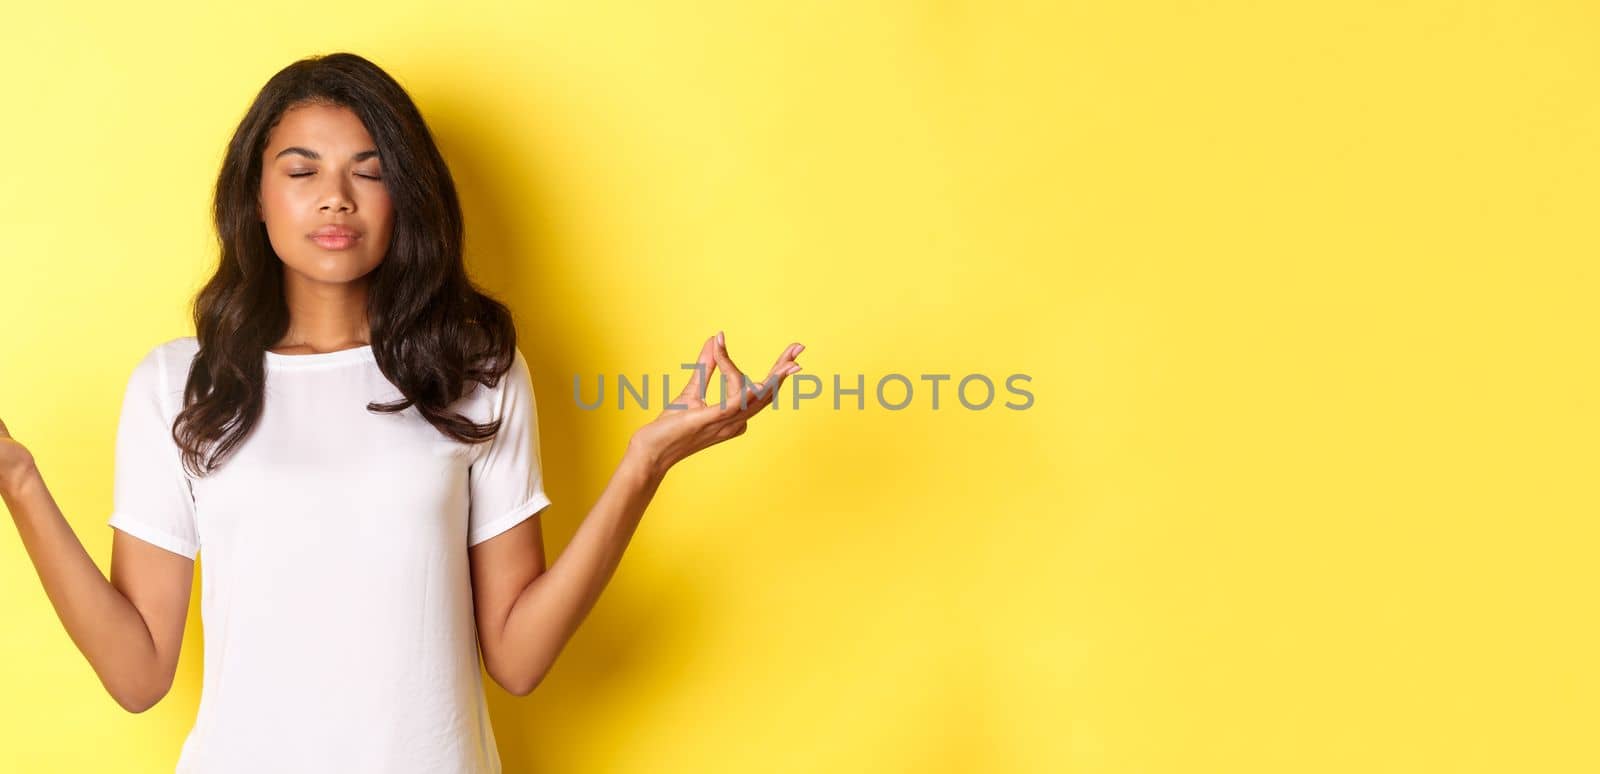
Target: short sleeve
point(505, 480)
point(151, 495)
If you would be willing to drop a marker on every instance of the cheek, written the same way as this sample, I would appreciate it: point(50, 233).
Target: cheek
point(276, 203)
point(380, 214)
point(382, 206)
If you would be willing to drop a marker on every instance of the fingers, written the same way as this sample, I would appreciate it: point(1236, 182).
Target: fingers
point(704, 365)
point(732, 378)
point(781, 369)
point(767, 392)
point(786, 364)
point(736, 396)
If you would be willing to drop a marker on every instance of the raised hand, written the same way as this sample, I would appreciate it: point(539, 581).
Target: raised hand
point(679, 432)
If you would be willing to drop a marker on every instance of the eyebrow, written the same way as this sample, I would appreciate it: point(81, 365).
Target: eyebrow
point(311, 154)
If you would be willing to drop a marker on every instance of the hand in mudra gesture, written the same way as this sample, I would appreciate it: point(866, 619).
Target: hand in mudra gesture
point(677, 433)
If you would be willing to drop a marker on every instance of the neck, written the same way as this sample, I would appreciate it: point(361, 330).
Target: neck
point(324, 317)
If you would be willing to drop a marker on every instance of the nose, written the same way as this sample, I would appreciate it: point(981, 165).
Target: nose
point(337, 199)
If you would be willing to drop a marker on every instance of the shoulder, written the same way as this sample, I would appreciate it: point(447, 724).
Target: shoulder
point(484, 403)
point(164, 370)
point(181, 349)
point(515, 378)
point(171, 358)
point(176, 355)
point(519, 364)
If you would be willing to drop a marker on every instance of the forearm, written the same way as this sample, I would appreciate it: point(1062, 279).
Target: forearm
point(105, 626)
point(548, 611)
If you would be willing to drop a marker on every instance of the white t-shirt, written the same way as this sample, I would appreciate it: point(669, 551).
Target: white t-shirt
point(336, 596)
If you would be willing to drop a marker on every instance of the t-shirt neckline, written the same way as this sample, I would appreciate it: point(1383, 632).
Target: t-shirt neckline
point(351, 355)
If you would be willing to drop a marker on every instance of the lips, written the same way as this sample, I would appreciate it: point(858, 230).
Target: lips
point(335, 237)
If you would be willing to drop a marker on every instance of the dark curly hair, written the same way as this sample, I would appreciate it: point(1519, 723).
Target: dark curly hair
point(432, 329)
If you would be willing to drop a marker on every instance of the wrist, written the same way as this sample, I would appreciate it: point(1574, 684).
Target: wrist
point(645, 462)
point(16, 484)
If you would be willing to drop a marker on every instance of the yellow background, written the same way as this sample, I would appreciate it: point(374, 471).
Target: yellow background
point(1307, 293)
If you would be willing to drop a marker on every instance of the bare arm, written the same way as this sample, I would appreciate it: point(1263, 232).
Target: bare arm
point(527, 614)
point(129, 628)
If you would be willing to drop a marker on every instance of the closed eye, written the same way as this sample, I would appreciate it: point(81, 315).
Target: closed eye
point(304, 174)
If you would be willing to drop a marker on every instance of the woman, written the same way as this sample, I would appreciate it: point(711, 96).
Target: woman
point(351, 439)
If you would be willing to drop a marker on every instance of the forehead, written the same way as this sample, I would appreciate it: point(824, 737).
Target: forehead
point(323, 128)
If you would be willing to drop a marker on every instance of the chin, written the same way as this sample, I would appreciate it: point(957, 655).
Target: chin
point(333, 269)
